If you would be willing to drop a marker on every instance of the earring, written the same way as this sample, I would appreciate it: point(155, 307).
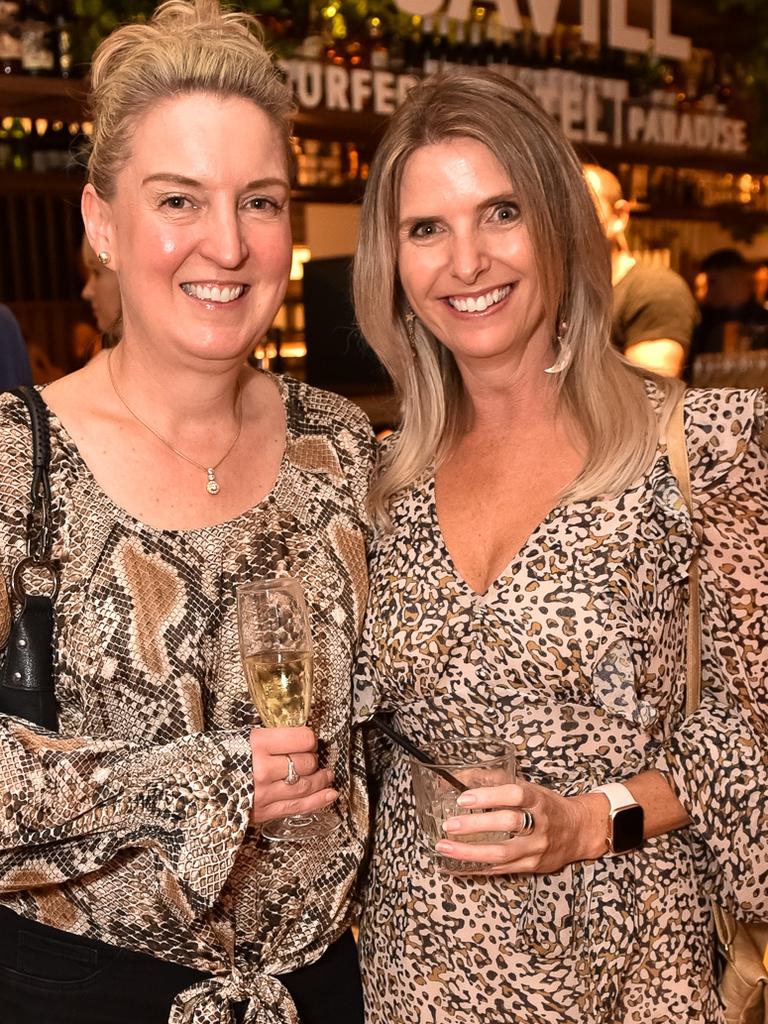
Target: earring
point(565, 352)
point(103, 258)
point(410, 330)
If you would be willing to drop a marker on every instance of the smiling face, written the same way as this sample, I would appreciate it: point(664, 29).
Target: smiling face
point(465, 258)
point(198, 227)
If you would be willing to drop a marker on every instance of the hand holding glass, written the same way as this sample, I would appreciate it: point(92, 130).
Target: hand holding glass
point(276, 648)
point(474, 762)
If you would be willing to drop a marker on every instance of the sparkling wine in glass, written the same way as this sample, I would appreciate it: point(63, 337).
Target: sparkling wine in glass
point(276, 648)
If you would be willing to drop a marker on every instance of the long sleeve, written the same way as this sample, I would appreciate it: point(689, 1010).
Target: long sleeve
point(717, 759)
point(70, 806)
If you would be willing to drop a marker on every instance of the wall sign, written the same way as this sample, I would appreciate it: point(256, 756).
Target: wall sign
point(543, 14)
point(591, 110)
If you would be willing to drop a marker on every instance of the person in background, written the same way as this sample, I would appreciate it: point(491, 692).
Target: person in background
point(654, 312)
point(760, 281)
point(529, 582)
point(732, 319)
point(102, 291)
point(136, 886)
point(15, 369)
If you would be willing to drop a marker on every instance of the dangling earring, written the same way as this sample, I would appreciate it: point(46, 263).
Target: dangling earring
point(565, 352)
point(410, 330)
point(103, 258)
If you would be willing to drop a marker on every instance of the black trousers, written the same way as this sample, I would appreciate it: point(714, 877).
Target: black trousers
point(50, 977)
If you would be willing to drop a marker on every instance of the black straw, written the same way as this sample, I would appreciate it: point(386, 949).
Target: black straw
point(397, 737)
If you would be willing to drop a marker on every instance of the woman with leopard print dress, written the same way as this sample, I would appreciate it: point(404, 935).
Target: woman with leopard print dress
point(134, 880)
point(529, 581)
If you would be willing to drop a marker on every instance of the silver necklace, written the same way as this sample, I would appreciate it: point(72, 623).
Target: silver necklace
point(212, 484)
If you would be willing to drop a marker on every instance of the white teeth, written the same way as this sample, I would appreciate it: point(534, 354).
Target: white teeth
point(212, 293)
point(481, 302)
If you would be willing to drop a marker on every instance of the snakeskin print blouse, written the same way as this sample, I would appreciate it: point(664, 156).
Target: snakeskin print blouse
point(577, 654)
point(131, 825)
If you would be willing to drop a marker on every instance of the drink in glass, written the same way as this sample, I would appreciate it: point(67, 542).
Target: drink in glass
point(276, 649)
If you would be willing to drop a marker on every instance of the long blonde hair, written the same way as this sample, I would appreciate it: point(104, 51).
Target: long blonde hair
point(606, 395)
point(195, 46)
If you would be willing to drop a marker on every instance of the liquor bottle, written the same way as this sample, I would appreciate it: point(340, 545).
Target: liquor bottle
point(528, 52)
point(475, 40)
point(333, 51)
point(57, 142)
point(10, 38)
point(38, 33)
point(5, 144)
point(63, 36)
point(457, 51)
point(573, 55)
point(19, 139)
point(378, 51)
point(396, 55)
point(413, 48)
point(558, 41)
point(313, 44)
point(509, 50)
point(492, 54)
point(724, 90)
point(435, 45)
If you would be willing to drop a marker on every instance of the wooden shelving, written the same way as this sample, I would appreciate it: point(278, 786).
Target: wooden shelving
point(53, 98)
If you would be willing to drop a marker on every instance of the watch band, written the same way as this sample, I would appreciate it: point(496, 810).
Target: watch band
point(619, 796)
point(625, 819)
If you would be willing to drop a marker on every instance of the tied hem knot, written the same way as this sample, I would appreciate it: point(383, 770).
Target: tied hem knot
point(210, 1001)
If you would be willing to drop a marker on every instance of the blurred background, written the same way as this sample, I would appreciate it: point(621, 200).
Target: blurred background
point(671, 95)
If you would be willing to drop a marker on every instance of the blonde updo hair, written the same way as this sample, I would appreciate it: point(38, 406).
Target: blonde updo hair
point(187, 46)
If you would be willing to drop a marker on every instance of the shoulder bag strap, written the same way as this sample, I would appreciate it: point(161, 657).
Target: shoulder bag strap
point(677, 453)
point(39, 526)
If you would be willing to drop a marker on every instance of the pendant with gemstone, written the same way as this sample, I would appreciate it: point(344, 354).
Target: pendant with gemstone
point(213, 485)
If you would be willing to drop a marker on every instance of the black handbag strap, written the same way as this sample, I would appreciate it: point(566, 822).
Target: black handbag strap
point(39, 522)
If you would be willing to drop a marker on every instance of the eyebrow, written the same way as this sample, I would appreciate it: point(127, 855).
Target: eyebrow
point(503, 197)
point(181, 179)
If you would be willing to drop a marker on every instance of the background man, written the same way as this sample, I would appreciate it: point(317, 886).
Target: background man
point(654, 312)
point(731, 316)
point(14, 360)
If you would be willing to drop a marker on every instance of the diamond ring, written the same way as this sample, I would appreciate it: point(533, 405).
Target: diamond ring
point(293, 776)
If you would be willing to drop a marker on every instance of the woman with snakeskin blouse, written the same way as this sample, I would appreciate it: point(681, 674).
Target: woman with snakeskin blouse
point(135, 884)
point(529, 582)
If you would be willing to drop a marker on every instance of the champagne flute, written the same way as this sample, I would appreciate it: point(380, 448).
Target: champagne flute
point(276, 648)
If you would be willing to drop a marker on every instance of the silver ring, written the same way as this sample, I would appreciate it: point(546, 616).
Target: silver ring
point(293, 776)
point(528, 825)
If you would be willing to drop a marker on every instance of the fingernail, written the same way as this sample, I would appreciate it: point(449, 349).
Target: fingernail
point(466, 800)
point(443, 847)
point(451, 825)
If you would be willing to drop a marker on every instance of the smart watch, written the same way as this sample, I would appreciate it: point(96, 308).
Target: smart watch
point(625, 819)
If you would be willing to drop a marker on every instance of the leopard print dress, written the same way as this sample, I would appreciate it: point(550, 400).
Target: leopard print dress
point(576, 654)
point(131, 825)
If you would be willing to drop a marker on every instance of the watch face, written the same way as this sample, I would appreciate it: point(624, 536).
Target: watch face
point(627, 829)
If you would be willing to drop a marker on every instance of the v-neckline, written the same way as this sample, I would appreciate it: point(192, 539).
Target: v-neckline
point(509, 567)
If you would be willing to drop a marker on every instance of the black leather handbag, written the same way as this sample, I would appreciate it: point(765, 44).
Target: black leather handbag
point(26, 667)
